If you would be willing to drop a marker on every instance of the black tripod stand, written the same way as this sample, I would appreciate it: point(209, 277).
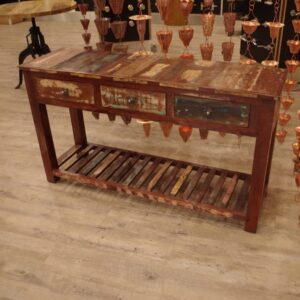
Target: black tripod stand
point(35, 46)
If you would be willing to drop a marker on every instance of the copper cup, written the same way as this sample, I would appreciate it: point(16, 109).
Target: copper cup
point(227, 50)
point(141, 22)
point(274, 29)
point(203, 134)
point(296, 148)
point(102, 26)
point(297, 4)
point(186, 35)
point(294, 46)
point(207, 22)
point(116, 6)
point(207, 50)
point(229, 19)
point(297, 130)
point(118, 29)
point(83, 7)
point(185, 132)
point(164, 38)
point(163, 8)
point(296, 25)
point(281, 135)
point(186, 7)
point(86, 37)
point(292, 65)
point(85, 23)
point(250, 26)
point(289, 85)
point(100, 4)
point(284, 118)
point(287, 102)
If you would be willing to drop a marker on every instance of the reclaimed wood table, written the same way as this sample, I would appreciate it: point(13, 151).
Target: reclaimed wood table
point(36, 44)
point(224, 97)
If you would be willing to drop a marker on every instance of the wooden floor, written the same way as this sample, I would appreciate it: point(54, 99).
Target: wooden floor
point(69, 242)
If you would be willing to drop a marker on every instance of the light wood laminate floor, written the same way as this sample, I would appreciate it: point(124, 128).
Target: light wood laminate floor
point(69, 242)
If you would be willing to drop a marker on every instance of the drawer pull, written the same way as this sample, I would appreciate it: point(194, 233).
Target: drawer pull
point(132, 101)
point(64, 92)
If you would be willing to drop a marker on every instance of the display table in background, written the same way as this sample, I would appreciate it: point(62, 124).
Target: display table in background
point(232, 98)
point(36, 44)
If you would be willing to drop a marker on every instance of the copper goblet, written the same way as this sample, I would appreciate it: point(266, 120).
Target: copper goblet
point(292, 65)
point(118, 29)
point(163, 8)
point(227, 50)
point(284, 119)
point(250, 26)
point(289, 85)
point(186, 35)
point(287, 102)
point(206, 50)
point(294, 46)
point(229, 22)
point(116, 6)
point(281, 135)
point(164, 38)
point(207, 22)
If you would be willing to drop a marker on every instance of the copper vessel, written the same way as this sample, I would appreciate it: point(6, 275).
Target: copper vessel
point(281, 135)
point(296, 25)
point(102, 27)
point(292, 65)
point(287, 102)
point(207, 50)
point(164, 38)
point(186, 7)
point(85, 23)
point(227, 50)
point(297, 179)
point(86, 37)
point(118, 29)
point(229, 22)
point(185, 132)
point(203, 134)
point(298, 113)
point(186, 35)
point(274, 29)
point(141, 22)
point(270, 63)
point(294, 46)
point(250, 26)
point(163, 8)
point(289, 85)
point(284, 118)
point(297, 130)
point(100, 4)
point(116, 6)
point(297, 4)
point(83, 7)
point(296, 149)
point(207, 22)
point(166, 128)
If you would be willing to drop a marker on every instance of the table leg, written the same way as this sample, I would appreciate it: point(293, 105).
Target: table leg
point(78, 127)
point(260, 166)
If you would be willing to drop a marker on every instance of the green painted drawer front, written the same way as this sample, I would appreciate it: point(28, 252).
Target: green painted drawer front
point(215, 111)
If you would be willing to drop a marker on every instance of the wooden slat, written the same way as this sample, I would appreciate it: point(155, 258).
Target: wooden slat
point(158, 175)
point(114, 166)
point(84, 161)
point(243, 196)
point(217, 188)
point(69, 163)
point(95, 161)
point(168, 178)
point(181, 180)
point(147, 173)
point(125, 168)
point(193, 183)
point(200, 192)
point(136, 171)
point(230, 190)
point(68, 154)
point(105, 164)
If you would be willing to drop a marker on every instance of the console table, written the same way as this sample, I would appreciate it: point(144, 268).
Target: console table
point(224, 97)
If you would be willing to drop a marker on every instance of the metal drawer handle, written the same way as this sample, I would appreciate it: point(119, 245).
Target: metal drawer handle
point(132, 101)
point(64, 92)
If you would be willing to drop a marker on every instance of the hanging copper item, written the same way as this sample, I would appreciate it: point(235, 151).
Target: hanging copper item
point(85, 23)
point(227, 50)
point(186, 33)
point(274, 29)
point(146, 126)
point(164, 38)
point(294, 46)
point(297, 4)
point(297, 130)
point(207, 50)
point(83, 7)
point(166, 128)
point(163, 7)
point(250, 26)
point(292, 65)
point(185, 132)
point(287, 102)
point(289, 85)
point(116, 6)
point(99, 4)
point(102, 26)
point(296, 25)
point(281, 135)
point(296, 149)
point(207, 22)
point(203, 134)
point(284, 119)
point(229, 19)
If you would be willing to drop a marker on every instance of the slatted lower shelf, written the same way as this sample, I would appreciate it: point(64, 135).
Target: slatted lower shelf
point(217, 191)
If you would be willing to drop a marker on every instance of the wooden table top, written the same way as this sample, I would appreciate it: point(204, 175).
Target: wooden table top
point(155, 70)
point(38, 8)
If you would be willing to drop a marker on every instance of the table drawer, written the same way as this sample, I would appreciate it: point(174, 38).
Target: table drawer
point(69, 91)
point(129, 99)
point(216, 111)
